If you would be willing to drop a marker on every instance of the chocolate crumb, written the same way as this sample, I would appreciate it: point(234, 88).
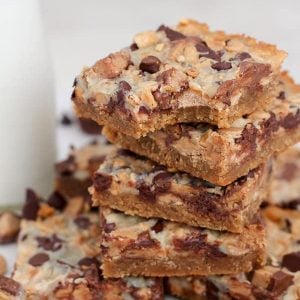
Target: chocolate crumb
point(158, 226)
point(57, 200)
point(281, 95)
point(89, 126)
point(82, 222)
point(171, 34)
point(66, 120)
point(109, 227)
point(162, 182)
point(133, 47)
point(222, 65)
point(52, 243)
point(102, 182)
point(38, 259)
point(31, 206)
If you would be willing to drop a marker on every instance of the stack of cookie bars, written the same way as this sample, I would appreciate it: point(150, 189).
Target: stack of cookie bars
point(188, 194)
point(205, 111)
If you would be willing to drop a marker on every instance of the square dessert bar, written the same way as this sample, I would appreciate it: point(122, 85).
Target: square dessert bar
point(73, 175)
point(135, 246)
point(58, 258)
point(279, 279)
point(185, 74)
point(285, 184)
point(138, 186)
point(223, 155)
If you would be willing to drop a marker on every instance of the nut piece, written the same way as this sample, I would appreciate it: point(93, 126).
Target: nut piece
point(112, 66)
point(3, 265)
point(9, 227)
point(146, 39)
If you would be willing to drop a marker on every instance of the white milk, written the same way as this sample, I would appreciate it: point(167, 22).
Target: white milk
point(27, 124)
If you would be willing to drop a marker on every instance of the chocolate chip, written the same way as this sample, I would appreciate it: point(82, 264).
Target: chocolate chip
point(171, 34)
point(242, 56)
point(74, 82)
point(281, 95)
point(89, 126)
point(102, 182)
point(162, 182)
point(158, 226)
point(222, 65)
point(57, 200)
point(66, 120)
point(134, 47)
point(53, 243)
point(279, 282)
point(144, 110)
point(66, 167)
point(95, 161)
point(73, 95)
point(109, 227)
point(31, 206)
point(39, 259)
point(291, 120)
point(248, 139)
point(292, 204)
point(207, 52)
point(291, 261)
point(82, 222)
point(10, 287)
point(144, 240)
point(88, 261)
point(269, 126)
point(150, 64)
point(145, 192)
point(163, 99)
point(196, 242)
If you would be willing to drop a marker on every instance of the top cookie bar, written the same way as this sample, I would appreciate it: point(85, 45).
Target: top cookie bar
point(185, 74)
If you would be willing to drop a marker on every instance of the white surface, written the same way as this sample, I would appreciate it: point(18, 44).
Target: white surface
point(26, 108)
point(80, 32)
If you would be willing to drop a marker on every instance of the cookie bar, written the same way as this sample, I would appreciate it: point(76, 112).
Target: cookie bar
point(138, 186)
point(58, 258)
point(223, 155)
point(185, 74)
point(73, 175)
point(285, 185)
point(279, 279)
point(135, 246)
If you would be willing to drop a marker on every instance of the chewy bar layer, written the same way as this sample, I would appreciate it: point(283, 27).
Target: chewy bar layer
point(73, 175)
point(58, 258)
point(137, 186)
point(185, 74)
point(285, 185)
point(279, 279)
point(135, 246)
point(223, 155)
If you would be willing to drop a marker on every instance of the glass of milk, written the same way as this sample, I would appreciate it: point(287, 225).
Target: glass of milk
point(27, 116)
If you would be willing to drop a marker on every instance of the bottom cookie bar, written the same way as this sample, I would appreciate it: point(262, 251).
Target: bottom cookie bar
point(279, 279)
point(151, 247)
point(58, 258)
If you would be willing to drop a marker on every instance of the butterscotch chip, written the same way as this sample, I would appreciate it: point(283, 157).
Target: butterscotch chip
point(138, 186)
point(136, 246)
point(233, 75)
point(223, 155)
point(9, 227)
